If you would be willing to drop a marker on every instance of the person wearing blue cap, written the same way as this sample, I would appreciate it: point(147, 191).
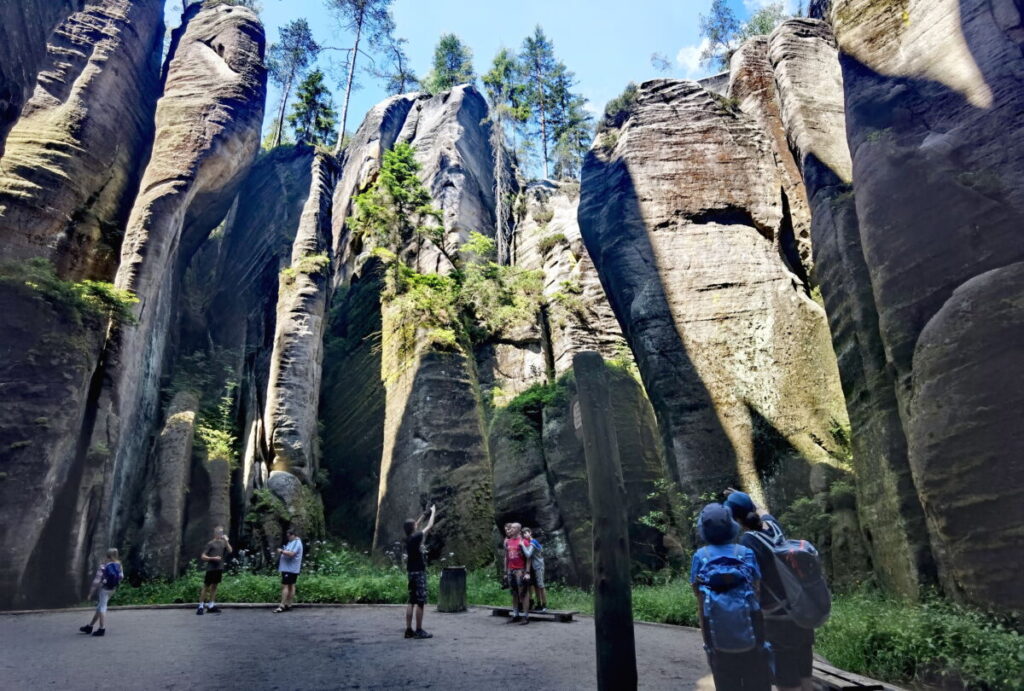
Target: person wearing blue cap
point(792, 646)
point(726, 579)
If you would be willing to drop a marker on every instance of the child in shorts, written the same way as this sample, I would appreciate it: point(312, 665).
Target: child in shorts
point(108, 576)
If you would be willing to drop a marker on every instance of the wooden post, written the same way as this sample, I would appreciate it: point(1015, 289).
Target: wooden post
point(613, 599)
point(452, 593)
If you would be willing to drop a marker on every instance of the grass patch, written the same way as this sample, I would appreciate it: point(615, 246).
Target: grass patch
point(934, 642)
point(91, 300)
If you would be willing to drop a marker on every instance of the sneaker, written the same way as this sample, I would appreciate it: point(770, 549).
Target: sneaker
point(512, 620)
point(199, 610)
point(525, 621)
point(409, 633)
point(420, 633)
point(85, 629)
point(543, 609)
point(214, 610)
point(99, 632)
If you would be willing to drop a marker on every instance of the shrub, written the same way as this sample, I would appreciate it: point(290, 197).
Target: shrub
point(549, 242)
point(80, 299)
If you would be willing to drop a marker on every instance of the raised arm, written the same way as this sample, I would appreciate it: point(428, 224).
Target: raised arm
point(430, 523)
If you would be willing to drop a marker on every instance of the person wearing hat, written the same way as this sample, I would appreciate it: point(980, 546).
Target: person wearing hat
point(726, 580)
point(792, 646)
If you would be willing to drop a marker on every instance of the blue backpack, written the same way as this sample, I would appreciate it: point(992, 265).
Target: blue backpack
point(112, 576)
point(730, 603)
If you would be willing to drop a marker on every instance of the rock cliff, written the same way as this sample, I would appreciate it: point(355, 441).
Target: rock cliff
point(26, 27)
point(207, 134)
point(73, 161)
point(933, 111)
point(681, 210)
point(810, 86)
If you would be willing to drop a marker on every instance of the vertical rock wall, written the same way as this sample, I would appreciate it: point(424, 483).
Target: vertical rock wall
point(680, 209)
point(207, 134)
point(25, 27)
point(810, 87)
point(933, 111)
point(73, 161)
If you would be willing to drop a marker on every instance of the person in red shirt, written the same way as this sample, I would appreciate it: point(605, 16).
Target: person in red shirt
point(517, 570)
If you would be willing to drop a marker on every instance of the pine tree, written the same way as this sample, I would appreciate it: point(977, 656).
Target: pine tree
point(538, 65)
point(720, 28)
point(397, 75)
point(313, 118)
point(287, 60)
point(453, 65)
point(507, 95)
point(369, 19)
point(571, 124)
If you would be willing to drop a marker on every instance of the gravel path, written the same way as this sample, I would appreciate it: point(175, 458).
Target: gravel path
point(325, 648)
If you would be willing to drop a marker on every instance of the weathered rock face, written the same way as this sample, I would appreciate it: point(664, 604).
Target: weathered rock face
point(540, 478)
point(680, 209)
point(810, 86)
point(578, 315)
point(427, 455)
point(24, 28)
point(296, 363)
point(933, 95)
point(165, 517)
point(207, 134)
point(48, 354)
point(73, 161)
point(752, 86)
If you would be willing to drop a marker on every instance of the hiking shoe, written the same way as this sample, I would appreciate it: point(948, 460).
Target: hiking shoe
point(513, 620)
point(409, 633)
point(420, 633)
point(542, 610)
point(525, 621)
point(99, 632)
point(199, 610)
point(214, 610)
point(85, 629)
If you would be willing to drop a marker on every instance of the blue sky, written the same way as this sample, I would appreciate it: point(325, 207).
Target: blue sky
point(607, 44)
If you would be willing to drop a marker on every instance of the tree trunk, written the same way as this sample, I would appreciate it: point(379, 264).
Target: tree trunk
point(280, 114)
point(613, 603)
point(348, 87)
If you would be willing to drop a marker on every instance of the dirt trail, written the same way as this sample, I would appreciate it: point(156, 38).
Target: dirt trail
point(325, 648)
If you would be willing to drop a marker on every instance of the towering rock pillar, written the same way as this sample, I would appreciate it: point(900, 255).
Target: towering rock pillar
point(934, 98)
point(680, 208)
point(207, 135)
point(810, 87)
point(73, 161)
point(25, 27)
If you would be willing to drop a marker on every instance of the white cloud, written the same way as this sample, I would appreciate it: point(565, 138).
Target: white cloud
point(688, 58)
point(754, 5)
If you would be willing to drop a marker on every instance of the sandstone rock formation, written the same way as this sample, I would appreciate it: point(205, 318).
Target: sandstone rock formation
point(681, 209)
point(207, 134)
point(296, 363)
point(25, 27)
point(73, 161)
point(752, 87)
point(810, 86)
point(933, 105)
point(165, 516)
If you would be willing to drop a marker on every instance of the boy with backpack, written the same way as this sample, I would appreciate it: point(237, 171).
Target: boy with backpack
point(108, 577)
point(535, 553)
point(794, 594)
point(517, 573)
point(726, 579)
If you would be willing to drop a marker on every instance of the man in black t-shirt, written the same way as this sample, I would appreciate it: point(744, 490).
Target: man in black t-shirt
point(417, 569)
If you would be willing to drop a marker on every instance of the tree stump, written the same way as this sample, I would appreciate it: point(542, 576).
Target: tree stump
point(452, 597)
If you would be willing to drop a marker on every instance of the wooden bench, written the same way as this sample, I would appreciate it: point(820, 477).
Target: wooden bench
point(829, 678)
point(556, 614)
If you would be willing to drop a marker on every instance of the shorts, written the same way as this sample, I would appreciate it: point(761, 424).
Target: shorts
point(537, 577)
point(793, 649)
point(417, 587)
point(517, 580)
point(288, 578)
point(104, 598)
point(213, 577)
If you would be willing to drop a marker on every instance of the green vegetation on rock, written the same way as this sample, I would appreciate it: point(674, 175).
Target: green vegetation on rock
point(80, 300)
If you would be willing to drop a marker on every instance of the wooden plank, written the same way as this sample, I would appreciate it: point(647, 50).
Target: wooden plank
point(831, 678)
point(556, 614)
